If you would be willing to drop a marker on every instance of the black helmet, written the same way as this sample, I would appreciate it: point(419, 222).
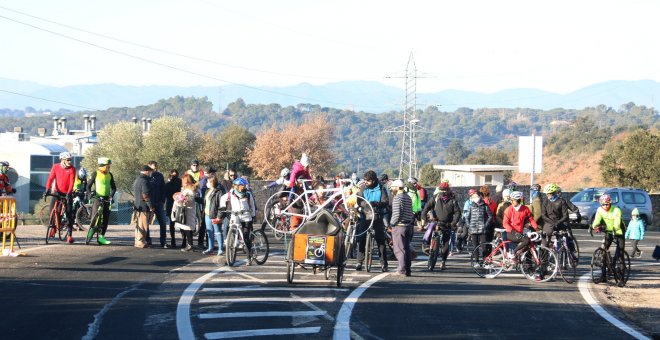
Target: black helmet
point(384, 178)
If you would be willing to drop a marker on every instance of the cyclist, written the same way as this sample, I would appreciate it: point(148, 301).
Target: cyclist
point(515, 218)
point(79, 187)
point(5, 186)
point(376, 194)
point(64, 175)
point(611, 217)
point(283, 181)
point(446, 213)
point(299, 171)
point(554, 212)
point(236, 200)
point(535, 205)
point(105, 188)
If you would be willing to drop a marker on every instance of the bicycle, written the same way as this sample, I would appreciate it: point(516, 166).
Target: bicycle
point(281, 222)
point(57, 221)
point(535, 259)
point(434, 247)
point(83, 211)
point(260, 248)
point(369, 249)
point(349, 214)
point(602, 262)
point(568, 261)
point(95, 226)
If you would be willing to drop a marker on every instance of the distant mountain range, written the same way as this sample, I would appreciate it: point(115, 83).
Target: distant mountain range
point(367, 96)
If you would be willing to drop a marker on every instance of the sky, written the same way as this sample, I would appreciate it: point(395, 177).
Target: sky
point(484, 46)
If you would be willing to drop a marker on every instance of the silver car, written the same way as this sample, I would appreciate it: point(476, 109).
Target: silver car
point(626, 199)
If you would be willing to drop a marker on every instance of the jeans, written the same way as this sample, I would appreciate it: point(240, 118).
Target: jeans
point(163, 222)
point(213, 232)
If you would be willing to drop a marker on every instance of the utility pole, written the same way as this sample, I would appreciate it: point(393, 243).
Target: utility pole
point(408, 162)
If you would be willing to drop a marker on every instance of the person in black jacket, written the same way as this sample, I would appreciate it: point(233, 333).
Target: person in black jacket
point(212, 213)
point(376, 195)
point(172, 186)
point(143, 209)
point(157, 189)
point(554, 212)
point(446, 213)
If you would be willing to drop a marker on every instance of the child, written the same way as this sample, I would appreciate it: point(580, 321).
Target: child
point(635, 232)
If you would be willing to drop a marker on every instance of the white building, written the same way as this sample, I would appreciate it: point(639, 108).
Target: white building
point(474, 175)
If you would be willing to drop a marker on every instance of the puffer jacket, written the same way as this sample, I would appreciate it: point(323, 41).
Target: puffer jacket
point(635, 230)
point(479, 218)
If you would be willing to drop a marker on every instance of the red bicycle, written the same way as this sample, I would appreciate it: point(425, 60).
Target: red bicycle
point(57, 222)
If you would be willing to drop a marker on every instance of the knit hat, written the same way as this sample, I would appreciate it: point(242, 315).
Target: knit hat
point(304, 160)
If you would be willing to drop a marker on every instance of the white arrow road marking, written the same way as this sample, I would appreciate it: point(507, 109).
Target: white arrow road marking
point(262, 332)
point(261, 314)
point(342, 323)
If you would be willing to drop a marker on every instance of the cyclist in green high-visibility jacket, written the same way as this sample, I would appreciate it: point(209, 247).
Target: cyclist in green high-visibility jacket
point(104, 187)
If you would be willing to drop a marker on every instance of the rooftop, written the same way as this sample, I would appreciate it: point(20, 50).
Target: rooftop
point(476, 167)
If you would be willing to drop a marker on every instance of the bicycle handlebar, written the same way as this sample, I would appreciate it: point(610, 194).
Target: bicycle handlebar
point(533, 236)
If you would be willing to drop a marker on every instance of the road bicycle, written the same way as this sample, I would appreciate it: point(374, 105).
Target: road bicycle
point(434, 246)
point(369, 241)
point(566, 256)
point(82, 217)
point(260, 248)
point(281, 222)
point(57, 221)
point(349, 208)
point(604, 265)
point(537, 263)
point(96, 225)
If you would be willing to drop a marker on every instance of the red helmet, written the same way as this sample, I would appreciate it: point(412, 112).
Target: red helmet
point(472, 192)
point(605, 199)
point(443, 185)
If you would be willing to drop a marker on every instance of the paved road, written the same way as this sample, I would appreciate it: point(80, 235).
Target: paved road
point(74, 291)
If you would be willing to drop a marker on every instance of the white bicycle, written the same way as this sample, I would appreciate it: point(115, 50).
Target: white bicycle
point(235, 241)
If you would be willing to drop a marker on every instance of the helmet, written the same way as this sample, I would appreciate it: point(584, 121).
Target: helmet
point(351, 201)
point(605, 199)
point(512, 186)
point(412, 180)
point(397, 183)
point(240, 181)
point(65, 155)
point(472, 192)
point(516, 195)
point(82, 173)
point(104, 161)
point(444, 185)
point(4, 163)
point(384, 178)
point(354, 176)
point(506, 192)
point(536, 187)
point(285, 172)
point(551, 188)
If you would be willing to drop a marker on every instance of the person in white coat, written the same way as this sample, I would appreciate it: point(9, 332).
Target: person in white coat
point(240, 200)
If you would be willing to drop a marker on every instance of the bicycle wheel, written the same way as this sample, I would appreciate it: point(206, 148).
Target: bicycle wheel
point(83, 217)
point(44, 215)
point(576, 251)
point(92, 229)
point(567, 265)
point(621, 269)
point(350, 240)
point(544, 264)
point(230, 248)
point(341, 263)
point(49, 231)
point(281, 227)
point(490, 265)
point(369, 251)
point(598, 261)
point(274, 212)
point(434, 249)
point(260, 248)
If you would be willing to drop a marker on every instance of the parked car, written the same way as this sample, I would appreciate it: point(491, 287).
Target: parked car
point(626, 199)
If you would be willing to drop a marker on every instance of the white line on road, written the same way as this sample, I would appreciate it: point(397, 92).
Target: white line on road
point(268, 299)
point(260, 314)
point(287, 289)
point(261, 332)
point(583, 285)
point(93, 328)
point(343, 319)
point(183, 323)
point(275, 280)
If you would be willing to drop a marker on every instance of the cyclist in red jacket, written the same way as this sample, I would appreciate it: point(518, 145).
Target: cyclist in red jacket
point(64, 175)
point(515, 218)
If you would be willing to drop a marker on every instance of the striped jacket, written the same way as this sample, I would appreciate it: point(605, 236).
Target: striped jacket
point(402, 212)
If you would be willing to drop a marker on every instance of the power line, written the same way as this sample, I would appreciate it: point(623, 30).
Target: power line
point(169, 66)
point(49, 100)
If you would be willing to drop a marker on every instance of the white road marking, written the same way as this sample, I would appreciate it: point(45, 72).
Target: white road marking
point(93, 328)
point(583, 285)
point(343, 319)
point(287, 289)
point(275, 280)
point(260, 314)
point(183, 323)
point(262, 332)
point(268, 299)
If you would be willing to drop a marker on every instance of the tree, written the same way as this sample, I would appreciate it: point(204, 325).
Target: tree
point(123, 143)
point(170, 142)
point(275, 149)
point(488, 156)
point(429, 176)
point(456, 152)
point(634, 161)
point(229, 148)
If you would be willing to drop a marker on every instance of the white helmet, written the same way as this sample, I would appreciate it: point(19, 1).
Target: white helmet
point(285, 172)
point(516, 195)
point(397, 183)
point(65, 155)
point(506, 193)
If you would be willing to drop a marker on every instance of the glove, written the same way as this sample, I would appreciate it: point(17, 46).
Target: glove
point(215, 221)
point(46, 193)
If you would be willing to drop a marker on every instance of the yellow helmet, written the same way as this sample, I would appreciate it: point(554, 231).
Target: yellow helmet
point(351, 201)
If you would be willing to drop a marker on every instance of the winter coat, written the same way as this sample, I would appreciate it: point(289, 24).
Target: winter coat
point(635, 230)
point(479, 218)
point(298, 171)
point(186, 200)
point(446, 211)
point(515, 219)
